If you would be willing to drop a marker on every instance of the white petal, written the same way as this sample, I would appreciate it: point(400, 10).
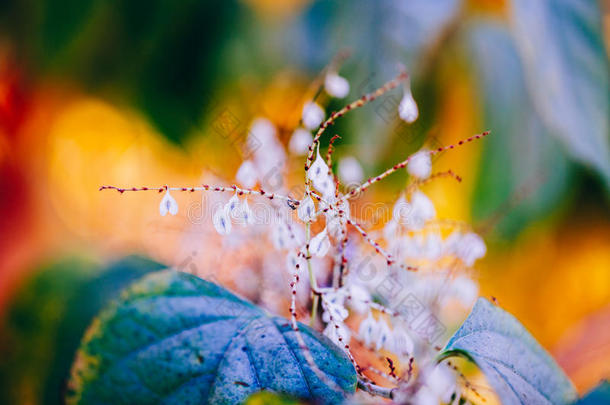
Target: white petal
point(292, 259)
point(232, 206)
point(246, 174)
point(390, 229)
point(313, 115)
point(263, 130)
point(442, 382)
point(336, 85)
point(300, 141)
point(168, 204)
point(383, 335)
point(318, 169)
point(471, 248)
point(401, 209)
point(402, 343)
point(320, 244)
point(368, 330)
point(433, 247)
point(407, 109)
point(359, 298)
point(245, 215)
point(422, 210)
point(350, 171)
point(425, 396)
point(420, 165)
point(333, 333)
point(465, 290)
point(307, 210)
point(222, 221)
point(326, 186)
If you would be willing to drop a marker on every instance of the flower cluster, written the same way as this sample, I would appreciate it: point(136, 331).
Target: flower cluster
point(354, 275)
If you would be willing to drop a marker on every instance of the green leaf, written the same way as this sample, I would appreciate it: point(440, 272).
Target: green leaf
point(47, 319)
point(176, 338)
point(600, 395)
point(524, 173)
point(561, 44)
point(516, 366)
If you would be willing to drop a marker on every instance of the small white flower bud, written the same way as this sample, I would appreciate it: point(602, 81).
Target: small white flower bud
point(245, 215)
point(306, 210)
point(318, 173)
point(292, 259)
point(232, 206)
point(168, 204)
point(313, 115)
point(336, 85)
point(320, 244)
point(384, 335)
point(471, 248)
point(350, 170)
point(300, 141)
point(246, 174)
point(222, 221)
point(420, 165)
point(368, 330)
point(407, 109)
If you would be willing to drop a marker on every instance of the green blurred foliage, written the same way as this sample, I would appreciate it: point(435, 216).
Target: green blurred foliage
point(542, 72)
point(44, 324)
point(161, 55)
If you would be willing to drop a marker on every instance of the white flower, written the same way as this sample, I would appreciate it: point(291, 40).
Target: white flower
point(407, 109)
point(471, 248)
point(307, 210)
point(337, 311)
point(319, 174)
point(368, 330)
point(360, 298)
point(320, 244)
point(335, 223)
point(168, 204)
point(451, 243)
point(401, 209)
point(300, 141)
point(292, 259)
point(422, 210)
point(401, 343)
point(335, 330)
point(246, 174)
point(465, 290)
point(390, 229)
point(350, 170)
point(222, 221)
point(313, 115)
point(336, 85)
point(425, 396)
point(244, 214)
point(442, 382)
point(281, 236)
point(384, 335)
point(420, 165)
point(263, 130)
point(232, 206)
point(433, 246)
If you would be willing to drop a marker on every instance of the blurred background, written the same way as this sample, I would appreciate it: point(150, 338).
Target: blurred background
point(96, 92)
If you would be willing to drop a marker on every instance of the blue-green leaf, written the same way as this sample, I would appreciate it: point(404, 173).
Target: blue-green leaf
point(561, 44)
point(47, 318)
point(516, 366)
point(600, 395)
point(176, 338)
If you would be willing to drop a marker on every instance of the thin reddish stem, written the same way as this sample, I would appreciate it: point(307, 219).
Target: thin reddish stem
point(404, 163)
